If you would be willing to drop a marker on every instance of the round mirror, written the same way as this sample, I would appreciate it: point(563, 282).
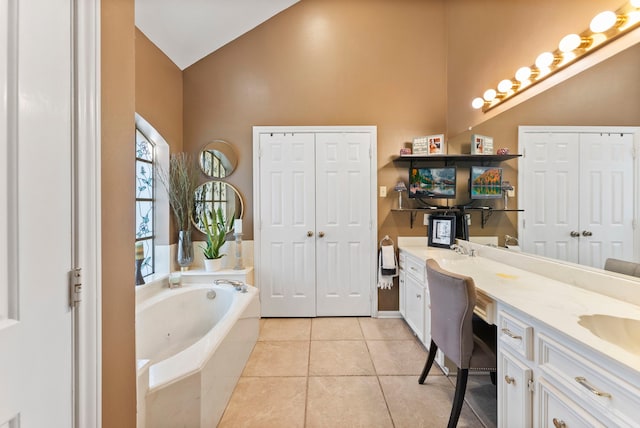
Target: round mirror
point(213, 195)
point(218, 159)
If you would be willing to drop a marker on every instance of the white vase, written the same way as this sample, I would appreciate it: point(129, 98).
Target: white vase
point(213, 265)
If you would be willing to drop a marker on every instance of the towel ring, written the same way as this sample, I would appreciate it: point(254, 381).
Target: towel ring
point(386, 238)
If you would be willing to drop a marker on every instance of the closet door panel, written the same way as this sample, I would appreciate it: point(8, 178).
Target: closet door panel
point(343, 222)
point(287, 215)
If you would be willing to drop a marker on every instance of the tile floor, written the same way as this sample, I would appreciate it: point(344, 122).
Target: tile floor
point(347, 372)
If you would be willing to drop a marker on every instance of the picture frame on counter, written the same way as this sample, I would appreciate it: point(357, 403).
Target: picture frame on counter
point(442, 231)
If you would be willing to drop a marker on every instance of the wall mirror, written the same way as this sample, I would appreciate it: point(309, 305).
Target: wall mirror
point(213, 195)
point(218, 159)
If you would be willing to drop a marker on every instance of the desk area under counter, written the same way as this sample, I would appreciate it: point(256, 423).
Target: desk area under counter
point(569, 336)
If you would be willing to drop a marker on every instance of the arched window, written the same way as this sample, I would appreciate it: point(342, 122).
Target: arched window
point(145, 200)
point(152, 203)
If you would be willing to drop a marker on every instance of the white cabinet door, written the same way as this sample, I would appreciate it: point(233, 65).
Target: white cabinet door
point(402, 285)
point(343, 224)
point(287, 259)
point(414, 306)
point(36, 329)
point(606, 212)
point(515, 402)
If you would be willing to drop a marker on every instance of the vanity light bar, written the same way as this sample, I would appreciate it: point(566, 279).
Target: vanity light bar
point(604, 28)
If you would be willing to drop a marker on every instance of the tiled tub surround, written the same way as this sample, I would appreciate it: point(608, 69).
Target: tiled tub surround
point(197, 347)
point(347, 372)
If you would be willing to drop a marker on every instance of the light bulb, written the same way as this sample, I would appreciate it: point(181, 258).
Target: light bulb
point(635, 3)
point(544, 60)
point(523, 74)
point(490, 95)
point(603, 21)
point(505, 85)
point(569, 43)
point(477, 103)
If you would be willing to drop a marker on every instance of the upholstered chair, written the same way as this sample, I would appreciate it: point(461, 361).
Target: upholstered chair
point(453, 298)
point(622, 266)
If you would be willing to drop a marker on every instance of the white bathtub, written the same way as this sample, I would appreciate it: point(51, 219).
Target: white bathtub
point(197, 349)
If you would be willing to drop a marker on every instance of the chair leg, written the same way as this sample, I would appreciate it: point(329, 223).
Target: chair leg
point(433, 348)
point(458, 400)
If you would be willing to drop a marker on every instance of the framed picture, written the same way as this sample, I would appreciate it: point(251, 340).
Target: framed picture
point(436, 144)
point(442, 230)
point(481, 145)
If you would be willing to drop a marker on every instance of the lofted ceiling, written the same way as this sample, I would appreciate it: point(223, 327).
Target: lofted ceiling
point(188, 30)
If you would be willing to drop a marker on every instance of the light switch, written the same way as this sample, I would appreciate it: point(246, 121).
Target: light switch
point(425, 220)
point(511, 193)
point(383, 191)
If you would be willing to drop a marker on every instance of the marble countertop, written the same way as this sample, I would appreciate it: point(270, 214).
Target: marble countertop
point(558, 304)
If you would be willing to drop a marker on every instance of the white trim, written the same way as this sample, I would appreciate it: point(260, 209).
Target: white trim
point(88, 324)
point(373, 131)
point(635, 130)
point(390, 314)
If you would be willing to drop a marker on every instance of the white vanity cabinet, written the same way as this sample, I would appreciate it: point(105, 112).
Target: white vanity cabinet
point(415, 293)
point(546, 379)
point(515, 371)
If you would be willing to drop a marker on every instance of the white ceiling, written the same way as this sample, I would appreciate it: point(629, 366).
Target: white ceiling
point(188, 30)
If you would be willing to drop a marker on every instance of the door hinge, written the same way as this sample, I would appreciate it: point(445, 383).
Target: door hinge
point(531, 385)
point(75, 287)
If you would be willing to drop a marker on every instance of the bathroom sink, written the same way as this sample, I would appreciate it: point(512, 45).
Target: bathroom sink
point(622, 332)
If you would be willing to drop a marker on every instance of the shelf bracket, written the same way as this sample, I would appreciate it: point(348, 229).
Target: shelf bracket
point(485, 216)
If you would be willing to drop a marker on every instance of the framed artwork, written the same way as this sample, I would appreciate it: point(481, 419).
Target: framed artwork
point(442, 230)
point(436, 144)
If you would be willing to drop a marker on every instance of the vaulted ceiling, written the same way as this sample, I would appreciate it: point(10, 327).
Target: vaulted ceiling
point(188, 30)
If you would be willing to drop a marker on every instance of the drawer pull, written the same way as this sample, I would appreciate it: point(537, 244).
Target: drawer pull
point(582, 381)
point(511, 334)
point(559, 423)
point(509, 380)
point(418, 296)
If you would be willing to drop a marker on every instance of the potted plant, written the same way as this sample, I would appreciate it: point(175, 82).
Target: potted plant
point(180, 182)
point(216, 231)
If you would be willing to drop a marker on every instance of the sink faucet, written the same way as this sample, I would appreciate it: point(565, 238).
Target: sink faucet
point(459, 249)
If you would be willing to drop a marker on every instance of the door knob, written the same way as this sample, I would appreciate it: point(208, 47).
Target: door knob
point(574, 234)
point(309, 234)
point(586, 233)
point(321, 234)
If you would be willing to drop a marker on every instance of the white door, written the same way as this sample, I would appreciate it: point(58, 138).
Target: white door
point(36, 358)
point(314, 217)
point(606, 214)
point(343, 224)
point(286, 219)
point(550, 194)
point(578, 195)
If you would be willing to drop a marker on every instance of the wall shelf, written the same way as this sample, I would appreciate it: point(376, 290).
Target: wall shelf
point(484, 212)
point(452, 159)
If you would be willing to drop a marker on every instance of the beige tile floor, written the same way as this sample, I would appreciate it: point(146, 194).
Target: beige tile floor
point(347, 372)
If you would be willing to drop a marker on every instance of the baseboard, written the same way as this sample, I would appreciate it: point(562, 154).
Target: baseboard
point(389, 314)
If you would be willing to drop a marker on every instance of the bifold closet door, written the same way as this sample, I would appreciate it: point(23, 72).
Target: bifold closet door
point(287, 225)
point(343, 223)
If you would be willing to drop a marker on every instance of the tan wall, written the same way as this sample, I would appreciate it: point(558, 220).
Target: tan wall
point(326, 62)
point(489, 40)
point(480, 55)
point(118, 299)
point(159, 91)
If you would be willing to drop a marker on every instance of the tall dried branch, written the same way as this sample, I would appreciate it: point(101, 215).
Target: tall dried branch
point(180, 183)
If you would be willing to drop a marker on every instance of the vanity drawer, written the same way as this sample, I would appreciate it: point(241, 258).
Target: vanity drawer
point(558, 410)
point(516, 334)
point(416, 268)
point(590, 382)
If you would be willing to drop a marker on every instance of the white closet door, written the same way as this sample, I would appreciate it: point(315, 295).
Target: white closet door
point(36, 329)
point(606, 214)
point(287, 225)
point(551, 180)
point(343, 224)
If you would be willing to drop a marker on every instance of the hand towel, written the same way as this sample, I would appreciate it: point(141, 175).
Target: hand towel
point(387, 267)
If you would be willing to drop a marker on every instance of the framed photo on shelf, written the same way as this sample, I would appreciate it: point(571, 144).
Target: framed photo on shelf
point(481, 145)
point(436, 144)
point(442, 230)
